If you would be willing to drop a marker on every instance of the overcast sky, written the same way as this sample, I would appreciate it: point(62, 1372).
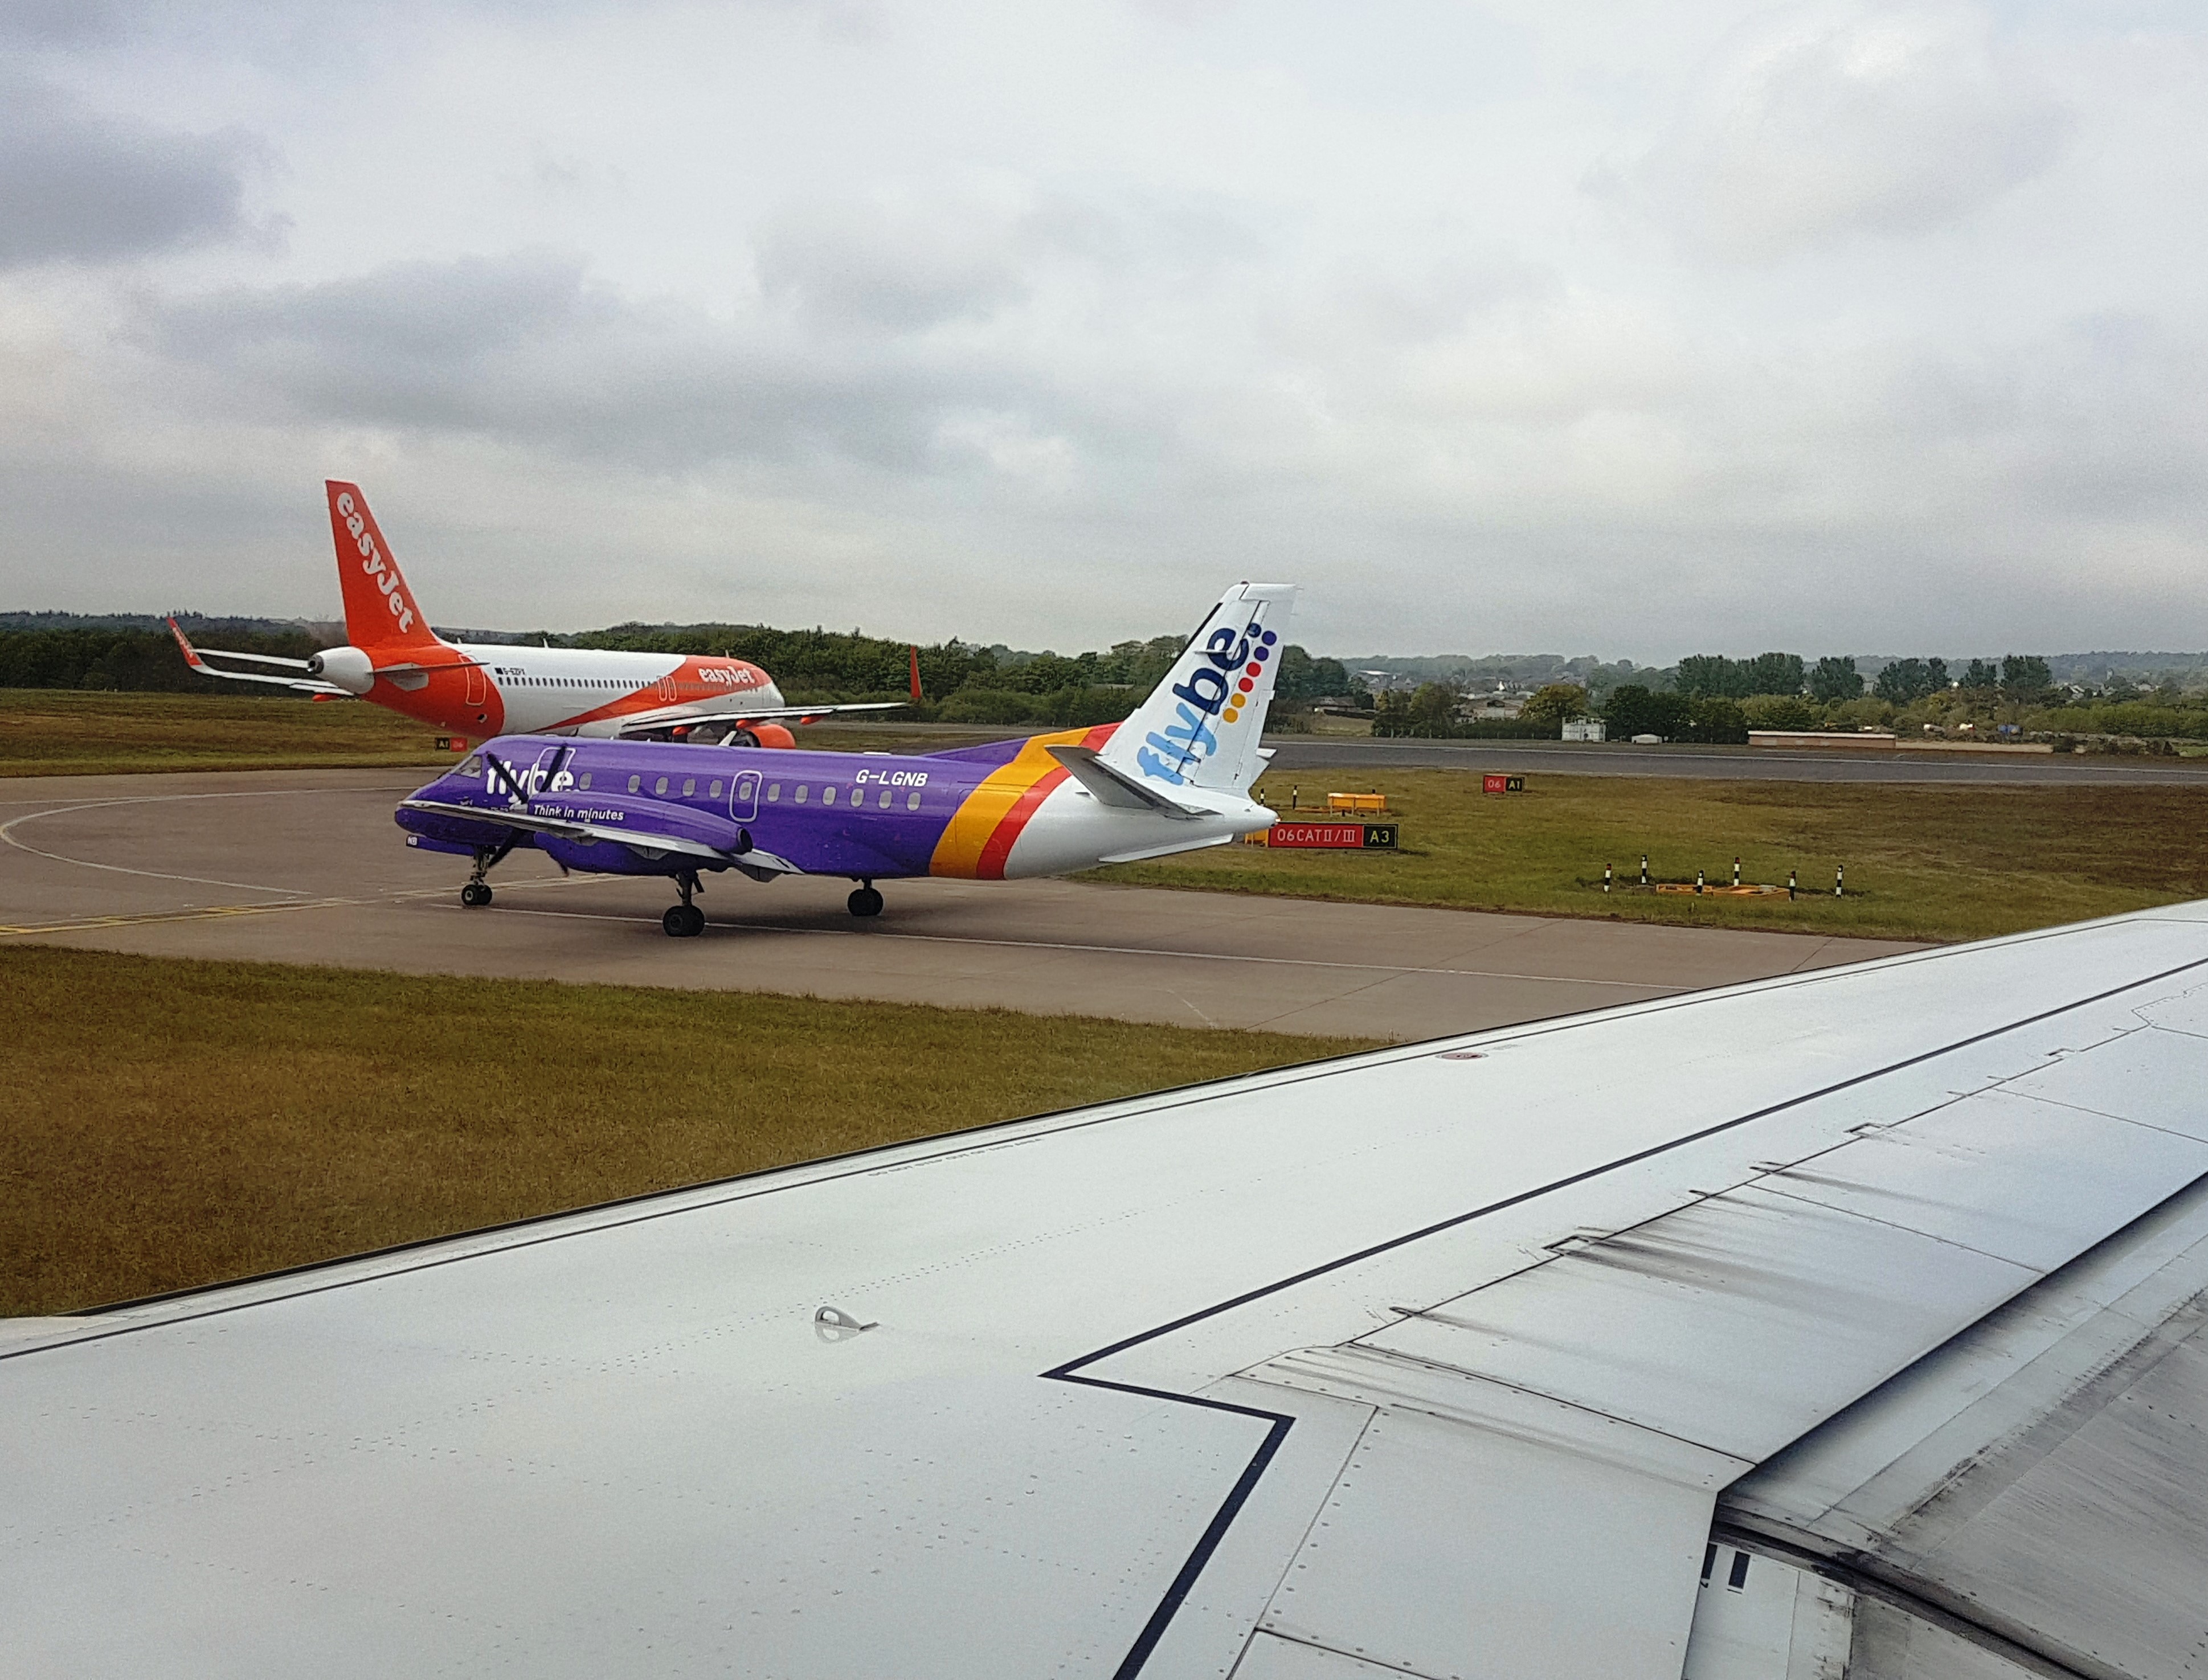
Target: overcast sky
point(1638, 330)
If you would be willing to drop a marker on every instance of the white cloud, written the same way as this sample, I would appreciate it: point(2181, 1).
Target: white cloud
point(1819, 121)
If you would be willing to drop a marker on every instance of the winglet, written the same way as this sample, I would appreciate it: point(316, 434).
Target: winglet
point(191, 654)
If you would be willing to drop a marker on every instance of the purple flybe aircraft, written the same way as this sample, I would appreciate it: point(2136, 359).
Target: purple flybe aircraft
point(1174, 777)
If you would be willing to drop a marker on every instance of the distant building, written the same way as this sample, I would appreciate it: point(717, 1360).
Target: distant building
point(1584, 729)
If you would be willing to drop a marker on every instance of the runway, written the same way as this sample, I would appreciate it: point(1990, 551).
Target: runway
point(307, 866)
point(1852, 764)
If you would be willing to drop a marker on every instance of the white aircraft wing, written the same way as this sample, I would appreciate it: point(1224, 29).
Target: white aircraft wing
point(302, 683)
point(665, 718)
point(1851, 1319)
point(651, 843)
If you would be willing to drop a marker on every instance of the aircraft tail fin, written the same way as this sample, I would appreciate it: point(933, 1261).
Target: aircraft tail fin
point(1201, 727)
point(380, 611)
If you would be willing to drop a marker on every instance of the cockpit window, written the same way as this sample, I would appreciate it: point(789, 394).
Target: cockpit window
point(471, 765)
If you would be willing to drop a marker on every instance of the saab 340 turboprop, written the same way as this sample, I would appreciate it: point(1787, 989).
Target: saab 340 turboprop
point(392, 658)
point(1173, 777)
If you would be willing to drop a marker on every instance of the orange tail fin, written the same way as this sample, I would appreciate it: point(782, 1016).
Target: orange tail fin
point(380, 611)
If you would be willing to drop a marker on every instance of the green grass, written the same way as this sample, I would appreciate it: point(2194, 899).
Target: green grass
point(170, 1123)
point(1922, 863)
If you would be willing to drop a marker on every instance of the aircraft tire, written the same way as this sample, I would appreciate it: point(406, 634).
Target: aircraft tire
point(475, 896)
point(683, 921)
point(865, 902)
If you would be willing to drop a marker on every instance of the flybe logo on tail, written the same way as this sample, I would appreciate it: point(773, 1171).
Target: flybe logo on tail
point(1217, 688)
point(373, 563)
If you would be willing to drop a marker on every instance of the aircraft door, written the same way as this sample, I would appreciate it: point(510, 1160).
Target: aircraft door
point(743, 796)
point(478, 685)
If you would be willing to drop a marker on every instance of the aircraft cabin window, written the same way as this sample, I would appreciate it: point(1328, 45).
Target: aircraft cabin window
point(885, 798)
point(659, 788)
point(802, 790)
point(828, 796)
point(714, 791)
point(774, 793)
point(583, 781)
point(473, 767)
point(689, 786)
point(635, 782)
point(912, 800)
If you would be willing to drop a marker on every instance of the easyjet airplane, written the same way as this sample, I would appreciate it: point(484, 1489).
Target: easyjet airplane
point(471, 689)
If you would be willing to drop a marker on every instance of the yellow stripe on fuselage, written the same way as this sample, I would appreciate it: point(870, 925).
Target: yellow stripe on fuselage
point(983, 811)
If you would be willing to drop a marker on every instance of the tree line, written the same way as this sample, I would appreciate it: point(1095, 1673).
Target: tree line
point(960, 681)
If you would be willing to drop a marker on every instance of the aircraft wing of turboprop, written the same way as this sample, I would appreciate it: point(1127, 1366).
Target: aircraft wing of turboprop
point(1849, 1320)
point(646, 841)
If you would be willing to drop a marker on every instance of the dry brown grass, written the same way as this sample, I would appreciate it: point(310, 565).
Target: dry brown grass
point(68, 732)
point(168, 1123)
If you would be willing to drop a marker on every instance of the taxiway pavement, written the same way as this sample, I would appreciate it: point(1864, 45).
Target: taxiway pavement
point(307, 866)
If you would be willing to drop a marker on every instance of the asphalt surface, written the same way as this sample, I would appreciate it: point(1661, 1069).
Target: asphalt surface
point(307, 866)
point(1855, 764)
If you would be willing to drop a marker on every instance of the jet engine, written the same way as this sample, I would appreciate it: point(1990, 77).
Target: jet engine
point(349, 668)
point(761, 735)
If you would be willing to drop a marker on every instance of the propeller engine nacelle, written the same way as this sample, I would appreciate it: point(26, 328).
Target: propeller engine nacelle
point(349, 668)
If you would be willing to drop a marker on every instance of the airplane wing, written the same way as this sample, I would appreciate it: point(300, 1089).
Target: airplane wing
point(650, 844)
point(1851, 1321)
point(675, 717)
point(300, 685)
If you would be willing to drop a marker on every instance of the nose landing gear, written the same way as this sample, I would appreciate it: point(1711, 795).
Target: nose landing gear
point(684, 920)
point(866, 901)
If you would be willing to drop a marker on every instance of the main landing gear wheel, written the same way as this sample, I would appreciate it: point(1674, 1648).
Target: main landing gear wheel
point(865, 902)
point(475, 896)
point(684, 920)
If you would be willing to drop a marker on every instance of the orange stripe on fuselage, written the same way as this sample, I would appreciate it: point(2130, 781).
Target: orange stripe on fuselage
point(979, 838)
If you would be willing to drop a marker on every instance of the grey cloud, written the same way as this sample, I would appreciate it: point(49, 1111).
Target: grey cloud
point(78, 186)
point(526, 349)
point(1821, 121)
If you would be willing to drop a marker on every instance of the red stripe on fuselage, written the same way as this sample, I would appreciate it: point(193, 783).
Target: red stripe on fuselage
point(990, 865)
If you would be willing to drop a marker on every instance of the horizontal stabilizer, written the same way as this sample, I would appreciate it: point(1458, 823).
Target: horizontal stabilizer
point(1114, 788)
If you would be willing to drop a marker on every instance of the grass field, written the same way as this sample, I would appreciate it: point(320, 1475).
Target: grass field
point(170, 1123)
point(70, 732)
point(1922, 863)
